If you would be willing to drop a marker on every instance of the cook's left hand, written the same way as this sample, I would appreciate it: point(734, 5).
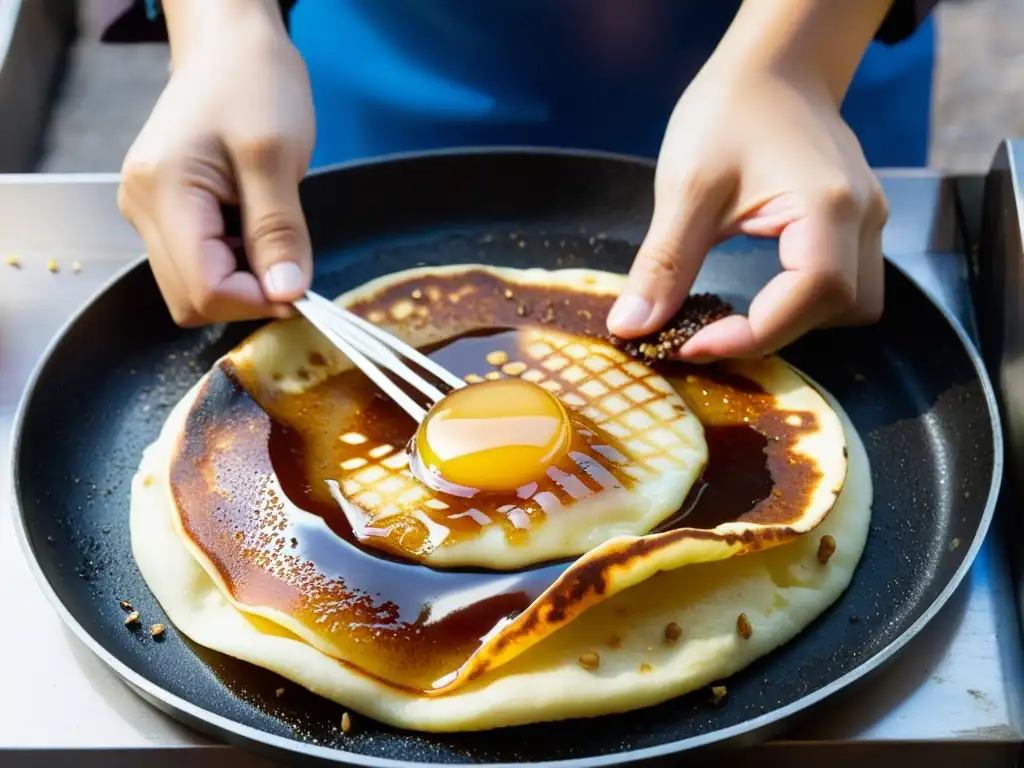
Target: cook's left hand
point(767, 154)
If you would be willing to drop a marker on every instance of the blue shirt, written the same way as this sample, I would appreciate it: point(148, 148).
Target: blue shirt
point(403, 75)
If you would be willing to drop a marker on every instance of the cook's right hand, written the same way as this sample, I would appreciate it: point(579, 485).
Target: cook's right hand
point(233, 126)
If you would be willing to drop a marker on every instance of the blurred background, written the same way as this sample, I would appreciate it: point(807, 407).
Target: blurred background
point(69, 103)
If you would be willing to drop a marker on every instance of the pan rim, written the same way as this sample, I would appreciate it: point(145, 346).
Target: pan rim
point(197, 716)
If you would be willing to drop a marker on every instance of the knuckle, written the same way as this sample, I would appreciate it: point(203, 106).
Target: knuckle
point(275, 229)
point(185, 315)
point(204, 301)
point(260, 151)
point(661, 261)
point(840, 203)
point(836, 288)
point(138, 176)
point(878, 207)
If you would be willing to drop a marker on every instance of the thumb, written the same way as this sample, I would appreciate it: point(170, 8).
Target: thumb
point(274, 227)
point(684, 227)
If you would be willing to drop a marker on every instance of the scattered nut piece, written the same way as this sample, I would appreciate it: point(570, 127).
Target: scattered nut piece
point(472, 378)
point(645, 668)
point(492, 376)
point(12, 261)
point(590, 660)
point(514, 369)
point(508, 293)
point(954, 544)
point(52, 266)
point(76, 266)
point(673, 631)
point(521, 310)
point(346, 722)
point(157, 631)
point(497, 357)
point(584, 313)
point(743, 626)
point(125, 605)
point(826, 548)
point(718, 694)
point(417, 294)
point(279, 692)
point(132, 619)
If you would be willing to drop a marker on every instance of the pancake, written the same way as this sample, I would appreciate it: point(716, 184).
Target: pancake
point(434, 650)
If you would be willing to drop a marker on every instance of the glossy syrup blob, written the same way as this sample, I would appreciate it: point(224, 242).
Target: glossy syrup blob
point(492, 436)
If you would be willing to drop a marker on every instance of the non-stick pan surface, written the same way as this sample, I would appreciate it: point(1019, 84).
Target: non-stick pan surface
point(912, 384)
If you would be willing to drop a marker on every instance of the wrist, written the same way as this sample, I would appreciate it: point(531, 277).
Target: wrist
point(195, 26)
point(816, 44)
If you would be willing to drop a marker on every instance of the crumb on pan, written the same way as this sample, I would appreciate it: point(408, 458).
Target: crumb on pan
point(132, 619)
point(157, 631)
point(699, 310)
point(673, 631)
point(718, 694)
point(279, 692)
point(743, 627)
point(590, 660)
point(826, 548)
point(125, 605)
point(346, 722)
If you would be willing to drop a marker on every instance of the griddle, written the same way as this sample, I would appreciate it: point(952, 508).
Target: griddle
point(913, 385)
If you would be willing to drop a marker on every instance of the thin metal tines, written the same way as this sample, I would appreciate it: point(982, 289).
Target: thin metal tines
point(370, 349)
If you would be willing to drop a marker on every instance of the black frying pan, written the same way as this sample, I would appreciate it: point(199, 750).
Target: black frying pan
point(913, 385)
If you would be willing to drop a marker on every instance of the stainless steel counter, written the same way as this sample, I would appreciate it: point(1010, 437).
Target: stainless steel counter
point(959, 683)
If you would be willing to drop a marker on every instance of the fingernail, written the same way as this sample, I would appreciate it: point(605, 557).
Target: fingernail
point(284, 279)
point(629, 314)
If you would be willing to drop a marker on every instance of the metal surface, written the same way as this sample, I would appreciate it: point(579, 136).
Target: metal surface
point(956, 683)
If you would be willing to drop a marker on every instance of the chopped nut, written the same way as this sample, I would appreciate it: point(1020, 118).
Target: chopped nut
point(52, 266)
point(12, 261)
point(584, 313)
point(826, 548)
point(76, 266)
point(346, 722)
point(514, 369)
point(417, 294)
point(125, 605)
point(472, 378)
point(157, 630)
point(279, 692)
point(743, 626)
point(590, 660)
point(673, 632)
point(492, 376)
point(132, 619)
point(497, 357)
point(645, 668)
point(954, 544)
point(698, 311)
point(718, 694)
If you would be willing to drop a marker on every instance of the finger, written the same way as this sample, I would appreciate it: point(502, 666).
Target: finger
point(683, 229)
point(273, 225)
point(820, 257)
point(191, 228)
point(173, 290)
point(870, 283)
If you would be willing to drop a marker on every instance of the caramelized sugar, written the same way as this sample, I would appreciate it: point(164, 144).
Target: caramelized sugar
point(404, 623)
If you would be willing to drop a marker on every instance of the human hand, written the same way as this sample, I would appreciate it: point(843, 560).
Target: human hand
point(234, 126)
point(763, 153)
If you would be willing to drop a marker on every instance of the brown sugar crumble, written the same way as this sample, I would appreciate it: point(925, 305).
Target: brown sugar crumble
point(157, 631)
point(718, 694)
point(673, 632)
point(826, 548)
point(743, 627)
point(132, 619)
point(590, 660)
point(699, 310)
point(346, 722)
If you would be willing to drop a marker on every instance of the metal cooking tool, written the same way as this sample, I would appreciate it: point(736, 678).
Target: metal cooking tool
point(914, 386)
